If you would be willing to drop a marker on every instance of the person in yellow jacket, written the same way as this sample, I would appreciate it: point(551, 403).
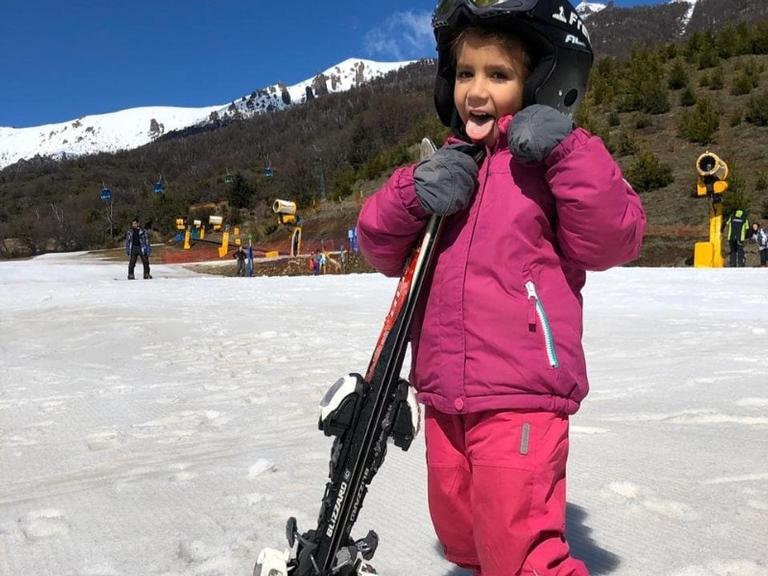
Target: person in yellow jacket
point(736, 228)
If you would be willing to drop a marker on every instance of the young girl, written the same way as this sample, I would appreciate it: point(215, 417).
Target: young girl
point(496, 348)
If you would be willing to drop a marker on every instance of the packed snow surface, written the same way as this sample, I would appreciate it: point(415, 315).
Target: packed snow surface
point(169, 427)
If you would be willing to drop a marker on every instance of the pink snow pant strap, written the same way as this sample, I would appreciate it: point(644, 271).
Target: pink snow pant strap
point(496, 483)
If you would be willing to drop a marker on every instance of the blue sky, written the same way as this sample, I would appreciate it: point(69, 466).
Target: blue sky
point(68, 58)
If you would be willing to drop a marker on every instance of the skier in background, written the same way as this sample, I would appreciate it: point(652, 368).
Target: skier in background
point(736, 227)
point(314, 262)
point(137, 245)
point(322, 261)
point(760, 237)
point(497, 356)
point(240, 255)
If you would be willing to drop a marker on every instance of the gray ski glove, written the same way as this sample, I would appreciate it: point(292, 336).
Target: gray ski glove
point(446, 182)
point(535, 131)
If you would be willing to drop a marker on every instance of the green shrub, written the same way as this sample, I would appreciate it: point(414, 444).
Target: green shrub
point(669, 51)
point(626, 145)
point(585, 116)
point(642, 84)
point(693, 46)
point(716, 79)
point(742, 84)
point(759, 38)
point(614, 119)
point(590, 120)
point(764, 209)
point(647, 173)
point(687, 97)
point(761, 182)
point(342, 182)
point(678, 76)
point(733, 41)
point(757, 109)
point(604, 82)
point(750, 65)
point(642, 120)
point(656, 99)
point(700, 124)
point(240, 192)
point(736, 118)
point(708, 57)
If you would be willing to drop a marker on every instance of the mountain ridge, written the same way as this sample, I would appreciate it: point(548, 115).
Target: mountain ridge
point(133, 127)
point(616, 31)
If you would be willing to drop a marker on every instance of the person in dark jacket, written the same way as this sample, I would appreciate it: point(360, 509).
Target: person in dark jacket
point(137, 246)
point(736, 228)
point(240, 255)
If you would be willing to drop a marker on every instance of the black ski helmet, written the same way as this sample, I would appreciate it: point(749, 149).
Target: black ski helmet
point(553, 32)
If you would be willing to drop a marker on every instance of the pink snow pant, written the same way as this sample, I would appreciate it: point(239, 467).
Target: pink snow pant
point(496, 483)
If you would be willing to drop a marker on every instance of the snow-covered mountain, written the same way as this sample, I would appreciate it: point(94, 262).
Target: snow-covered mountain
point(586, 9)
point(689, 12)
point(128, 129)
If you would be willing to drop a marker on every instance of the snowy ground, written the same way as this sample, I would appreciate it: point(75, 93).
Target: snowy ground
point(168, 427)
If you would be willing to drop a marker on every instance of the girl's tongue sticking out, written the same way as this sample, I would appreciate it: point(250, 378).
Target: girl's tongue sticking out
point(480, 127)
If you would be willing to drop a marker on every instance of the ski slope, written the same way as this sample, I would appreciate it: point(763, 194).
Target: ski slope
point(168, 427)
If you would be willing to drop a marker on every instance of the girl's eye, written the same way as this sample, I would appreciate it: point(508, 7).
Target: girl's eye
point(463, 74)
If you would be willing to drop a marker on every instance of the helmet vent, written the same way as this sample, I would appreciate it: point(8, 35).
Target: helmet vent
point(571, 97)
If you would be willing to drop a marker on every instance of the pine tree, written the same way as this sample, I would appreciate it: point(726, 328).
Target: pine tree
point(687, 97)
point(678, 77)
point(701, 124)
point(647, 173)
point(240, 193)
point(643, 84)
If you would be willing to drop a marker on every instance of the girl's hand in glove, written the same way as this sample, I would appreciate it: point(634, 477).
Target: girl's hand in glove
point(446, 182)
point(535, 131)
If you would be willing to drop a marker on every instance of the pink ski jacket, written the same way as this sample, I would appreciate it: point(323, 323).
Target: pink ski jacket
point(500, 326)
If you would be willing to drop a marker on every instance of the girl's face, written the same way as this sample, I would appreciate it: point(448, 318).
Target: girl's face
point(489, 84)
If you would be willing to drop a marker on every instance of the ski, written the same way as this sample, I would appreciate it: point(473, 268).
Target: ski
point(362, 413)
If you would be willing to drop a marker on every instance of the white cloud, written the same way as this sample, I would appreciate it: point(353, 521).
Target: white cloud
point(403, 36)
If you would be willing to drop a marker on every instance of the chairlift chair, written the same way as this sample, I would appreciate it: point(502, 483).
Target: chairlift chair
point(159, 187)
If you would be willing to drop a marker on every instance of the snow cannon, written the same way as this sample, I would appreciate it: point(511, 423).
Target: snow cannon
point(711, 183)
point(286, 215)
point(712, 175)
point(285, 210)
point(215, 222)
